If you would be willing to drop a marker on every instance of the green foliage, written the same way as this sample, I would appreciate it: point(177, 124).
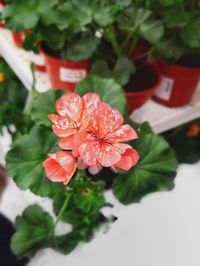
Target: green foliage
point(24, 161)
point(44, 104)
point(181, 27)
point(154, 172)
point(34, 230)
point(185, 140)
point(20, 15)
point(121, 72)
point(81, 49)
point(12, 100)
point(85, 202)
point(139, 21)
point(106, 88)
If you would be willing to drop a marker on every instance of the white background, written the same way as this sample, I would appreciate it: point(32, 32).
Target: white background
point(163, 230)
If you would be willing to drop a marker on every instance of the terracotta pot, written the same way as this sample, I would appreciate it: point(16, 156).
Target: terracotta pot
point(178, 84)
point(137, 98)
point(64, 74)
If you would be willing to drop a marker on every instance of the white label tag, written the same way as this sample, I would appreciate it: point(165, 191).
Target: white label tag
point(165, 89)
point(72, 75)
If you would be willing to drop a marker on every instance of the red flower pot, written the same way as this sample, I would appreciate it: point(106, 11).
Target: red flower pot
point(18, 38)
point(2, 24)
point(137, 98)
point(178, 84)
point(65, 74)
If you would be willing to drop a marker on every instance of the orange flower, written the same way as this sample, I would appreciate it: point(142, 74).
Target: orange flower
point(2, 78)
point(194, 130)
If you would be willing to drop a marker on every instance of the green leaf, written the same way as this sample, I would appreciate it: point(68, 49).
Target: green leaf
point(152, 30)
point(66, 243)
point(33, 230)
point(106, 88)
point(167, 2)
point(44, 104)
point(88, 195)
point(20, 16)
point(121, 72)
point(24, 161)
point(141, 23)
point(185, 140)
point(105, 15)
point(172, 20)
point(154, 172)
point(191, 33)
point(81, 50)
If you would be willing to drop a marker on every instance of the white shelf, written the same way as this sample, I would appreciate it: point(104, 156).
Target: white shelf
point(161, 118)
point(18, 60)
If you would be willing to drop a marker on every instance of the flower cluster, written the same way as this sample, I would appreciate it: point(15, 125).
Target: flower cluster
point(92, 135)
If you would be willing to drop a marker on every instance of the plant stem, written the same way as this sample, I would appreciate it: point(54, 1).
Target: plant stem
point(110, 36)
point(64, 206)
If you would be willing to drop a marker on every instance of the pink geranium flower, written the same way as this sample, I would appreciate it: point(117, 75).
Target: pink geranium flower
point(103, 145)
point(73, 117)
point(60, 166)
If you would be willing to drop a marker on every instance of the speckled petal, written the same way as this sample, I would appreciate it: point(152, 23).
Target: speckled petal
point(73, 142)
point(109, 155)
point(128, 160)
point(124, 133)
point(91, 101)
point(60, 167)
point(70, 105)
point(90, 152)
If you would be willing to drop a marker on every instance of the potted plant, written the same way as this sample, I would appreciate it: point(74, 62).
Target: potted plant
point(79, 146)
point(178, 51)
point(67, 51)
point(106, 32)
point(125, 43)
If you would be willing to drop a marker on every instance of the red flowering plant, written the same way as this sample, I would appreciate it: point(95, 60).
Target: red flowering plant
point(80, 145)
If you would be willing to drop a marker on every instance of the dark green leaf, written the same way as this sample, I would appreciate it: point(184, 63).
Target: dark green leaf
point(123, 68)
point(81, 50)
point(191, 34)
point(33, 230)
point(109, 91)
point(24, 161)
point(154, 172)
point(44, 104)
point(20, 16)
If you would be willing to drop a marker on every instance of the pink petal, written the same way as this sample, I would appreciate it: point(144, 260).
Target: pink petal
point(60, 167)
point(104, 120)
point(94, 170)
point(128, 160)
point(73, 142)
point(70, 105)
point(62, 127)
point(90, 152)
point(109, 155)
point(91, 101)
point(124, 133)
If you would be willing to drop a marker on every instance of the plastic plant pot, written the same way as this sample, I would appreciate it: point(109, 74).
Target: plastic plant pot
point(18, 39)
point(2, 24)
point(137, 98)
point(178, 84)
point(64, 74)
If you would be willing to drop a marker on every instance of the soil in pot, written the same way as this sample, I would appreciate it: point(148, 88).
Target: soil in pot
point(63, 74)
point(179, 81)
point(141, 86)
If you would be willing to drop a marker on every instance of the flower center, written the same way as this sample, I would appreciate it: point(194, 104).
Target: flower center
point(76, 125)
